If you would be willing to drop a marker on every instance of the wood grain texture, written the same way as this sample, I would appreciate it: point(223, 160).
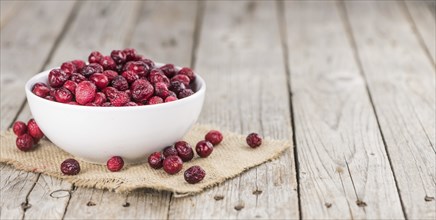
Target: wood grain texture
point(424, 21)
point(401, 81)
point(344, 169)
point(231, 57)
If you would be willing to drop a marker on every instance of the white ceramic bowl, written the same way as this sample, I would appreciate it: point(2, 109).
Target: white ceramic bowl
point(95, 134)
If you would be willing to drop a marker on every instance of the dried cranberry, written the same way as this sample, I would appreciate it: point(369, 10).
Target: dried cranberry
point(187, 72)
point(172, 164)
point(130, 76)
point(204, 148)
point(254, 140)
point(40, 89)
point(69, 68)
point(170, 99)
point(184, 150)
point(100, 80)
point(194, 174)
point(79, 64)
point(169, 70)
point(141, 90)
point(109, 91)
point(215, 137)
point(155, 160)
point(108, 63)
point(120, 83)
point(129, 93)
point(52, 92)
point(33, 129)
point(25, 142)
point(131, 104)
point(71, 86)
point(118, 56)
point(99, 99)
point(95, 57)
point(181, 78)
point(85, 92)
point(149, 63)
point(154, 100)
point(169, 151)
point(115, 163)
point(156, 76)
point(63, 95)
point(161, 90)
point(110, 74)
point(70, 167)
point(130, 54)
point(119, 98)
point(19, 128)
point(138, 67)
point(185, 93)
point(177, 86)
point(77, 78)
point(91, 69)
point(56, 78)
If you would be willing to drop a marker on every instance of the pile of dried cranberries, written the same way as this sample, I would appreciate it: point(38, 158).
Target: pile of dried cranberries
point(124, 78)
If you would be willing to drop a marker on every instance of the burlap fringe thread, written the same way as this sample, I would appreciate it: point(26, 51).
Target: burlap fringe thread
point(229, 159)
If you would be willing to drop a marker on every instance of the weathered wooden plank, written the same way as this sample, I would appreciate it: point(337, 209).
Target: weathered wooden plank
point(7, 10)
point(344, 169)
point(401, 81)
point(240, 57)
point(424, 21)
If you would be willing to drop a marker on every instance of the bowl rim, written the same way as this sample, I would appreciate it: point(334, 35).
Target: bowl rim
point(200, 92)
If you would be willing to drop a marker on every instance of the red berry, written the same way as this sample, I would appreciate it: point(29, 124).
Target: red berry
point(109, 91)
point(100, 80)
point(70, 167)
point(79, 64)
point(118, 56)
point(185, 93)
point(110, 74)
point(204, 148)
point(119, 98)
point(177, 86)
point(19, 128)
point(99, 99)
point(115, 164)
point(85, 92)
point(108, 63)
point(70, 85)
point(91, 69)
point(194, 174)
point(69, 68)
point(77, 77)
point(170, 99)
point(95, 57)
point(154, 100)
point(120, 83)
point(156, 76)
point(169, 70)
point(33, 129)
point(63, 95)
point(141, 90)
point(254, 140)
point(155, 160)
point(25, 142)
point(57, 78)
point(187, 72)
point(169, 151)
point(184, 150)
point(130, 76)
point(161, 90)
point(181, 78)
point(172, 164)
point(215, 137)
point(131, 104)
point(139, 67)
point(40, 89)
point(130, 54)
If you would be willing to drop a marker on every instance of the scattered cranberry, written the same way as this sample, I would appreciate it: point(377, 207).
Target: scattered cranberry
point(187, 72)
point(204, 148)
point(19, 128)
point(118, 56)
point(40, 89)
point(254, 140)
point(184, 150)
point(169, 151)
point(25, 142)
point(215, 137)
point(155, 100)
point(155, 160)
point(185, 93)
point(108, 63)
point(115, 164)
point(70, 167)
point(69, 68)
point(57, 78)
point(100, 80)
point(169, 70)
point(34, 130)
point(95, 57)
point(194, 174)
point(172, 164)
point(71, 86)
point(170, 99)
point(85, 92)
point(63, 95)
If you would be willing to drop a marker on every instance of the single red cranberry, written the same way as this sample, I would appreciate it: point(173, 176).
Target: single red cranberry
point(181, 78)
point(156, 76)
point(33, 129)
point(40, 89)
point(187, 72)
point(161, 90)
point(118, 56)
point(110, 74)
point(184, 150)
point(70, 85)
point(169, 151)
point(25, 142)
point(91, 69)
point(172, 164)
point(120, 83)
point(70, 167)
point(204, 148)
point(106, 104)
point(138, 57)
point(19, 128)
point(109, 91)
point(95, 57)
point(131, 104)
point(170, 99)
point(100, 80)
point(154, 100)
point(63, 95)
point(185, 93)
point(155, 160)
point(254, 140)
point(138, 67)
point(99, 99)
point(130, 54)
point(177, 86)
point(169, 70)
point(115, 163)
point(149, 63)
point(85, 92)
point(77, 77)
point(141, 90)
point(194, 174)
point(49, 97)
point(215, 137)
point(69, 68)
point(119, 98)
point(130, 76)
point(108, 63)
point(79, 64)
point(57, 78)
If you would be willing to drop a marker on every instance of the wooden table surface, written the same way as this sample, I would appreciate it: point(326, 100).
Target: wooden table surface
point(351, 83)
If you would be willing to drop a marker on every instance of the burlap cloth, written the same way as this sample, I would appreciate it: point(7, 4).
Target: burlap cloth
point(229, 159)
